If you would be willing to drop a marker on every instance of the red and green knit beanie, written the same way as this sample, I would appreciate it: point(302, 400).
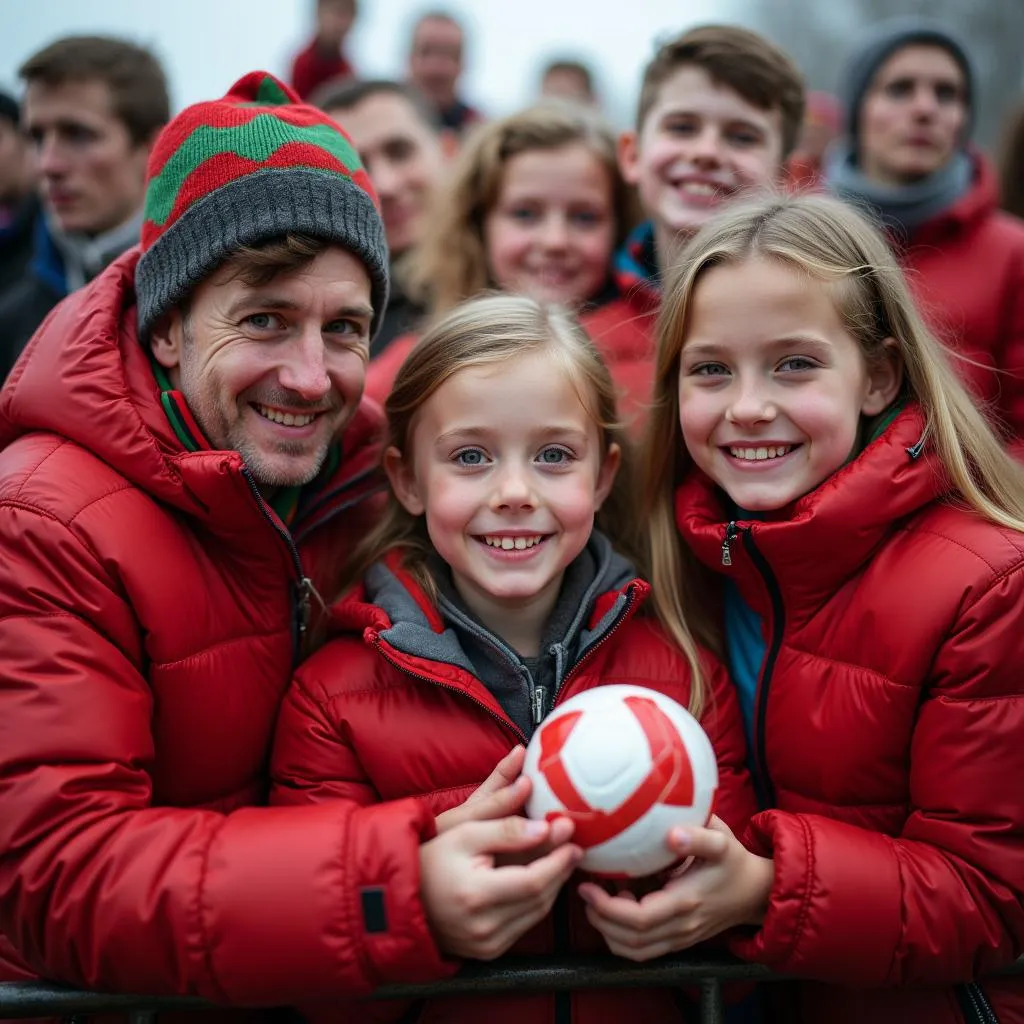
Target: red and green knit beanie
point(243, 170)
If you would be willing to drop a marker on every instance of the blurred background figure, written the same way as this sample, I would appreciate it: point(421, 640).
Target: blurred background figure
point(435, 66)
point(324, 59)
point(93, 106)
point(1011, 165)
point(822, 125)
point(909, 95)
point(18, 203)
point(398, 134)
point(567, 79)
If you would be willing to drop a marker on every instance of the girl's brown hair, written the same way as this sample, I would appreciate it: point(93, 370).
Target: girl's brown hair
point(451, 264)
point(829, 242)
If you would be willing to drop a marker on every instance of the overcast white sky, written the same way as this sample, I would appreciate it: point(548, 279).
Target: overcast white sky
point(206, 44)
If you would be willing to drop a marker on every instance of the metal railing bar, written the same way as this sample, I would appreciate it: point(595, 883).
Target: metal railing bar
point(23, 999)
point(712, 1003)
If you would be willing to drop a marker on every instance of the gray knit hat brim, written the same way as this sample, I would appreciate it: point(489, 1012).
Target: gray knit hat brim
point(252, 210)
point(880, 43)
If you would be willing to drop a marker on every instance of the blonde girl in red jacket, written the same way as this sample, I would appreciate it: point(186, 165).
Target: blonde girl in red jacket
point(813, 451)
point(488, 598)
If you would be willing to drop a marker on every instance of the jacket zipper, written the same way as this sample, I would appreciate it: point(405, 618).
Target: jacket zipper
point(974, 1005)
point(538, 704)
point(506, 722)
point(588, 653)
point(767, 789)
point(730, 535)
point(302, 586)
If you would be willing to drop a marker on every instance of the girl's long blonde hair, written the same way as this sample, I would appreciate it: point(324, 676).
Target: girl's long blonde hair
point(489, 331)
point(830, 242)
point(450, 264)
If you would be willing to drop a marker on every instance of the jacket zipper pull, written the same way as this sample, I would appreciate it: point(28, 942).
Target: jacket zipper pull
point(539, 700)
point(730, 536)
point(304, 601)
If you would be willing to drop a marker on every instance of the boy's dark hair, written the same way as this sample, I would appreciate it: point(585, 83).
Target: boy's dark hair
point(574, 67)
point(346, 93)
point(746, 62)
point(138, 86)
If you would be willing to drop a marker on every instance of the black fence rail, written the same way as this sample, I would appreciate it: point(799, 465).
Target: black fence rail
point(525, 975)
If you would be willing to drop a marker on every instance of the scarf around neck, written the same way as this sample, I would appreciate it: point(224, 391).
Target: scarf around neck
point(900, 207)
point(84, 257)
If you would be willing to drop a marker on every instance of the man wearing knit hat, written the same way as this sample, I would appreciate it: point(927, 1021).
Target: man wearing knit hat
point(909, 95)
point(185, 463)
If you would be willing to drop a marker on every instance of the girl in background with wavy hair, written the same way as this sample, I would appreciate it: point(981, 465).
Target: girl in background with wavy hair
point(812, 449)
point(535, 206)
point(488, 598)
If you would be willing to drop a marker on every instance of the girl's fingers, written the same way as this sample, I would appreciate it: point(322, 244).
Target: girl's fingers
point(654, 910)
point(539, 880)
point(708, 844)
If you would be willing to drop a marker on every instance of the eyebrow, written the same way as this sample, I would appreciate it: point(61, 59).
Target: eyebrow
point(752, 120)
point(358, 311)
point(707, 348)
point(471, 433)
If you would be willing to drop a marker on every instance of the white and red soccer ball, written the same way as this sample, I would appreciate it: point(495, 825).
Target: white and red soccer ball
point(626, 764)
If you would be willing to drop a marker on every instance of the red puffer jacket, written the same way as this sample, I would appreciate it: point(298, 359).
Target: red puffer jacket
point(148, 602)
point(966, 268)
point(623, 331)
point(889, 737)
point(367, 720)
point(382, 371)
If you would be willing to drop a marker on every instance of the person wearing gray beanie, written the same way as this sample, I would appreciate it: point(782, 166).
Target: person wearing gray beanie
point(909, 90)
point(186, 469)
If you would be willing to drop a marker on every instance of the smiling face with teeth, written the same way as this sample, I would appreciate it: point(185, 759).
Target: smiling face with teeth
point(273, 371)
point(700, 144)
point(508, 469)
point(772, 388)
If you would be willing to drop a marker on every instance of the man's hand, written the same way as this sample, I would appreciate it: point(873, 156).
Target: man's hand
point(477, 908)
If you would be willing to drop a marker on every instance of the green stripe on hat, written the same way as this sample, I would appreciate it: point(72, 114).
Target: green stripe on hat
point(271, 93)
point(255, 140)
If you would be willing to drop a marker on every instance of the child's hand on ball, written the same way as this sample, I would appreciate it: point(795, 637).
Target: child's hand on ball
point(502, 793)
point(477, 907)
point(724, 886)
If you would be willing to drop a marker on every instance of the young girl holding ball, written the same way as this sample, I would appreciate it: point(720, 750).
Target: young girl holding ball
point(488, 599)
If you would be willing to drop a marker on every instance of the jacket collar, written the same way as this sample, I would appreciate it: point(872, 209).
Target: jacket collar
point(827, 535)
point(413, 630)
point(979, 201)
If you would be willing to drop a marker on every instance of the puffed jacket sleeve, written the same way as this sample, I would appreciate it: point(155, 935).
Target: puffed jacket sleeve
point(101, 889)
point(311, 761)
point(722, 720)
point(944, 900)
